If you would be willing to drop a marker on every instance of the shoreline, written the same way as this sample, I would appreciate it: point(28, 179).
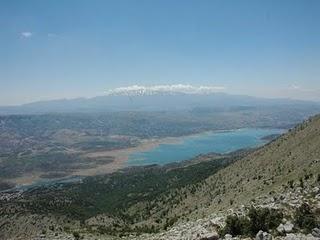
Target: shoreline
point(120, 158)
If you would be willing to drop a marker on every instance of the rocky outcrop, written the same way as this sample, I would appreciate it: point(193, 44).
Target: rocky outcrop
point(285, 228)
point(316, 232)
point(261, 235)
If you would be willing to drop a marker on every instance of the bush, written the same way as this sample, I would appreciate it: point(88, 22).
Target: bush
point(257, 219)
point(264, 219)
point(76, 235)
point(305, 218)
point(236, 226)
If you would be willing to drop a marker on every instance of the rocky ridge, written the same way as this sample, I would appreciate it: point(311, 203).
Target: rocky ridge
point(285, 199)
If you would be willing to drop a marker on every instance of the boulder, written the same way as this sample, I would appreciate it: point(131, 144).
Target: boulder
point(300, 236)
point(228, 237)
point(285, 228)
point(213, 237)
point(267, 236)
point(291, 236)
point(261, 235)
point(210, 236)
point(316, 232)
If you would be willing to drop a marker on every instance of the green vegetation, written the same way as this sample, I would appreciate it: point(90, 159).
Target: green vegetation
point(236, 226)
point(51, 163)
point(128, 197)
point(76, 235)
point(267, 220)
point(257, 219)
point(305, 219)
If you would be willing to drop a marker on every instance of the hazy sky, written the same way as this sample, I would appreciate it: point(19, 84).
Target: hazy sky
point(62, 49)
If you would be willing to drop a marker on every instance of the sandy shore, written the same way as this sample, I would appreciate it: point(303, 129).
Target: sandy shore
point(121, 156)
point(26, 179)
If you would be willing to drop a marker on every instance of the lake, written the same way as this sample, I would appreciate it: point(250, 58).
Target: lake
point(191, 146)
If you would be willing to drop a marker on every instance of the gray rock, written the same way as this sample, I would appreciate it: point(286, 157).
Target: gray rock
point(212, 236)
point(291, 236)
point(299, 236)
point(285, 228)
point(267, 236)
point(261, 235)
point(288, 227)
point(228, 236)
point(316, 232)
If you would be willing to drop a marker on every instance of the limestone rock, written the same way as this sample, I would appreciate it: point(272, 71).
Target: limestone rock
point(285, 228)
point(291, 236)
point(261, 235)
point(210, 236)
point(228, 237)
point(316, 232)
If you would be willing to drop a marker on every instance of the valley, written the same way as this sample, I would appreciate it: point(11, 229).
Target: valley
point(59, 145)
point(191, 199)
point(141, 174)
point(159, 120)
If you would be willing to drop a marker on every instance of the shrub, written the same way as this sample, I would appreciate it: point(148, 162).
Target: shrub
point(257, 219)
point(236, 226)
point(305, 218)
point(264, 219)
point(290, 183)
point(76, 235)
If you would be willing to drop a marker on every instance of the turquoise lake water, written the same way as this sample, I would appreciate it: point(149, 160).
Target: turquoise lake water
point(219, 142)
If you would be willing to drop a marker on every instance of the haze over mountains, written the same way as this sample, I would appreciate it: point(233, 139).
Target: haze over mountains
point(156, 98)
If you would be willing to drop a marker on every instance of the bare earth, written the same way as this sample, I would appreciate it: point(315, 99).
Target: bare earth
point(120, 158)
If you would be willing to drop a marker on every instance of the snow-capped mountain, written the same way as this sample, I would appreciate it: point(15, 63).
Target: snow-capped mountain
point(138, 90)
point(156, 98)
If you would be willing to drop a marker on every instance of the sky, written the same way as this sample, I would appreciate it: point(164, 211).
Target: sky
point(53, 49)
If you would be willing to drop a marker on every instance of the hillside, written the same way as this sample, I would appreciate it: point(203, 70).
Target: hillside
point(284, 175)
point(293, 156)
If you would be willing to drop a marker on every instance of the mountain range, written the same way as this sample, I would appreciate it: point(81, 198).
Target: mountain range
point(157, 98)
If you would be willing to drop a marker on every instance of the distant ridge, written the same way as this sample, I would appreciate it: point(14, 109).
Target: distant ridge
point(157, 98)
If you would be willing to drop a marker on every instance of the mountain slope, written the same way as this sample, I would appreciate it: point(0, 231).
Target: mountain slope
point(283, 175)
point(293, 156)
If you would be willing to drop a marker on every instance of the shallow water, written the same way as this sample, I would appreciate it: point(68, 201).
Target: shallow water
point(189, 147)
point(183, 149)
